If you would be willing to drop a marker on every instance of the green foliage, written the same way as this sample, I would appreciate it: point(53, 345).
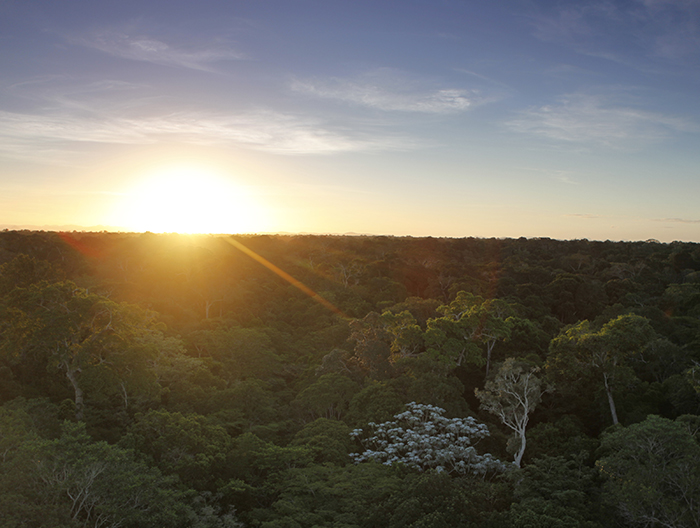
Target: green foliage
point(96, 343)
point(329, 497)
point(328, 440)
point(468, 323)
point(425, 380)
point(188, 446)
point(377, 402)
point(372, 350)
point(580, 355)
point(557, 493)
point(652, 472)
point(72, 481)
point(247, 405)
point(244, 432)
point(405, 335)
point(564, 437)
point(329, 397)
point(23, 271)
point(243, 352)
point(435, 500)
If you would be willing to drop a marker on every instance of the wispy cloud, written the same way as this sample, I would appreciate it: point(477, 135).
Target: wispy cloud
point(262, 130)
point(629, 32)
point(390, 90)
point(676, 221)
point(596, 120)
point(565, 177)
point(487, 79)
point(66, 115)
point(584, 216)
point(562, 176)
point(63, 94)
point(157, 50)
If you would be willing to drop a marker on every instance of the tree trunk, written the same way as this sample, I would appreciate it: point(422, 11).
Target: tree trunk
point(611, 401)
point(71, 374)
point(519, 454)
point(489, 349)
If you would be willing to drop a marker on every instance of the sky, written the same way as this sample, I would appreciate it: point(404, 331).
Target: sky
point(512, 118)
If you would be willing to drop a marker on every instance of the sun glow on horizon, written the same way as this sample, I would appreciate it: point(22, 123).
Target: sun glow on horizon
point(190, 200)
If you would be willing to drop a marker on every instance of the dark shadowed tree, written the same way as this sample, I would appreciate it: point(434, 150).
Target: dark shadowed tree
point(653, 473)
point(580, 351)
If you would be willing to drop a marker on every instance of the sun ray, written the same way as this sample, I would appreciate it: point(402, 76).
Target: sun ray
point(286, 276)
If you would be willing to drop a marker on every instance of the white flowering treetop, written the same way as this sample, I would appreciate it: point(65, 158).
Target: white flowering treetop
point(422, 438)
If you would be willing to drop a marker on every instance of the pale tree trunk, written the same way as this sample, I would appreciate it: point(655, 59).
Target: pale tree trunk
point(209, 304)
point(519, 454)
point(489, 349)
point(72, 375)
point(125, 394)
point(611, 401)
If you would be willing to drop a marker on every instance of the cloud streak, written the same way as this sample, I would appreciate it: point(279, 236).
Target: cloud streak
point(262, 130)
point(676, 221)
point(146, 48)
point(585, 216)
point(68, 116)
point(587, 119)
point(389, 90)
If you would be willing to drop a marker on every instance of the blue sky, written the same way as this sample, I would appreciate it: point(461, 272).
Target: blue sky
point(442, 118)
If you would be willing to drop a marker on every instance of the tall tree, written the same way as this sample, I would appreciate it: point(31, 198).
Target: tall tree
point(72, 481)
point(468, 323)
point(512, 396)
point(580, 350)
point(63, 328)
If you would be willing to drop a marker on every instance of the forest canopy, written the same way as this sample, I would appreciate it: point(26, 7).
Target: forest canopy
point(355, 381)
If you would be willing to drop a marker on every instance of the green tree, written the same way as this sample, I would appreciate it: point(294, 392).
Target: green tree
point(405, 335)
point(376, 402)
point(63, 328)
point(553, 492)
point(329, 440)
point(468, 323)
point(184, 445)
point(580, 350)
point(325, 496)
point(437, 500)
point(24, 271)
point(74, 482)
point(329, 397)
point(243, 352)
point(372, 350)
point(653, 473)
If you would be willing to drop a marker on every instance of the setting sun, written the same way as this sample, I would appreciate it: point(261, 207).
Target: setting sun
point(189, 200)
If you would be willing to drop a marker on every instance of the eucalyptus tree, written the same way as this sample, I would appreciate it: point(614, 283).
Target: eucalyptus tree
point(513, 395)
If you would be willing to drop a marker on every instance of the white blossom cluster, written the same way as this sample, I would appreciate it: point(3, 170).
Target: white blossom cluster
point(422, 438)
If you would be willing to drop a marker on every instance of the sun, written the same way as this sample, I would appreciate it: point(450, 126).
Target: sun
point(190, 200)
